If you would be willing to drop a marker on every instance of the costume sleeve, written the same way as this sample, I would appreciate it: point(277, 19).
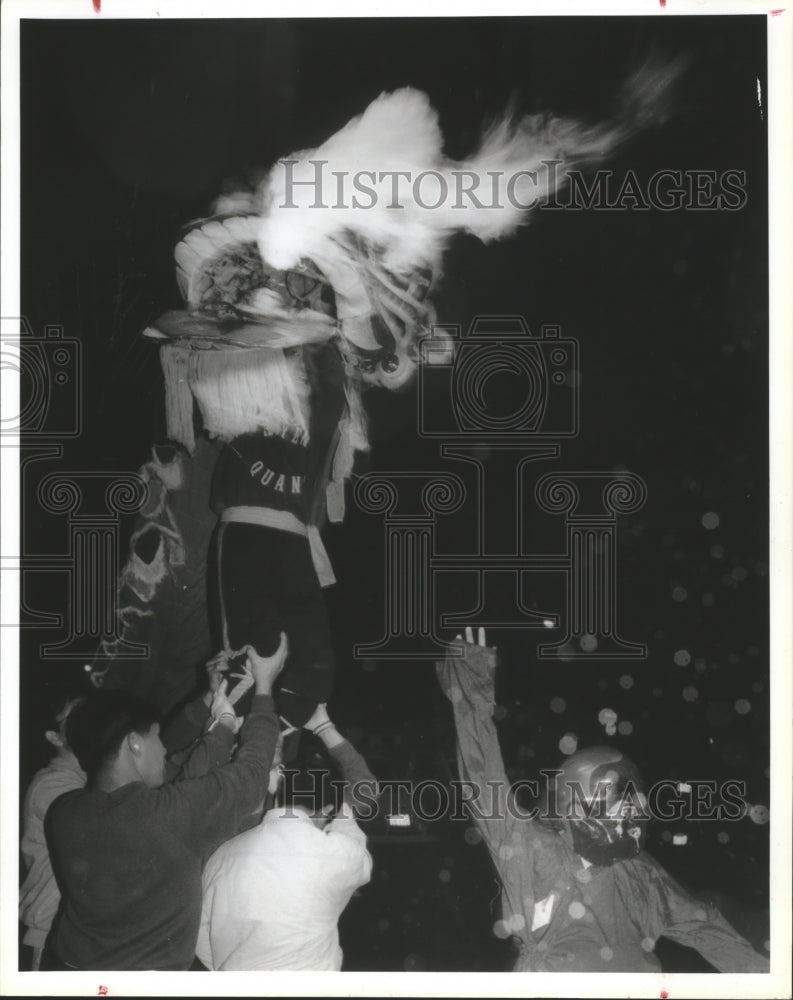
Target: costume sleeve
point(676, 915)
point(468, 682)
point(206, 811)
point(360, 785)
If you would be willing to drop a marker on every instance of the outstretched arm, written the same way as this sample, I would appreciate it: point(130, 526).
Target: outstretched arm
point(360, 785)
point(186, 727)
point(192, 750)
point(214, 748)
point(207, 810)
point(676, 915)
point(468, 681)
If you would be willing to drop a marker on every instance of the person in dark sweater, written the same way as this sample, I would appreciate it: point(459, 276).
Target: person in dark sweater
point(183, 736)
point(128, 850)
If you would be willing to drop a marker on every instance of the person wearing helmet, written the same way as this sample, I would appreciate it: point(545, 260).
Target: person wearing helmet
point(579, 891)
point(599, 792)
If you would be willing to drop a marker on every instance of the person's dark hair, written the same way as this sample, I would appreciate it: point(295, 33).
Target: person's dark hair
point(96, 728)
point(309, 786)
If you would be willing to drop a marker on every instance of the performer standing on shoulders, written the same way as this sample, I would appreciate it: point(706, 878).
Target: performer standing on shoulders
point(276, 360)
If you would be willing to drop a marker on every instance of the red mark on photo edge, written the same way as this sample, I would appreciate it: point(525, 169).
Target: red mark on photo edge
point(664, 994)
point(776, 13)
point(102, 989)
point(97, 10)
point(662, 3)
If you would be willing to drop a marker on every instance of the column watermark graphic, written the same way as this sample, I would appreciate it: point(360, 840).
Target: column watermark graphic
point(410, 503)
point(590, 562)
point(89, 504)
point(456, 410)
point(92, 557)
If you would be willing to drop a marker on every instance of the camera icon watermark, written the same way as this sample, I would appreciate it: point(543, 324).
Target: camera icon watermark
point(42, 374)
point(500, 400)
point(41, 411)
point(498, 380)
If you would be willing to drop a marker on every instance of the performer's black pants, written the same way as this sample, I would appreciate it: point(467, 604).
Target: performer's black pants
point(268, 586)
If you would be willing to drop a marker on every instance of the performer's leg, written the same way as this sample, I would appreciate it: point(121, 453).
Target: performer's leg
point(268, 584)
point(307, 678)
point(249, 573)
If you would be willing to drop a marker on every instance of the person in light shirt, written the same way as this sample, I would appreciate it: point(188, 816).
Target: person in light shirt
point(39, 895)
point(274, 894)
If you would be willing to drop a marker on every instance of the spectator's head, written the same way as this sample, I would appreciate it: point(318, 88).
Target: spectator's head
point(597, 792)
point(310, 789)
point(116, 738)
point(55, 733)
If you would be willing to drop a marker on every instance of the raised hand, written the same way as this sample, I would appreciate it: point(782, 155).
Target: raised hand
point(215, 670)
point(265, 669)
point(221, 709)
point(476, 660)
point(245, 679)
point(469, 636)
point(319, 718)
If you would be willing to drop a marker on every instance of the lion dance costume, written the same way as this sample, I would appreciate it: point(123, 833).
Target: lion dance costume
point(293, 306)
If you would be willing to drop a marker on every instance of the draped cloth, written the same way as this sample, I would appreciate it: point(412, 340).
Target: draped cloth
point(161, 595)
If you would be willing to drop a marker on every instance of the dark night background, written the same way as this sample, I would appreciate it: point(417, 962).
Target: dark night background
point(129, 129)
